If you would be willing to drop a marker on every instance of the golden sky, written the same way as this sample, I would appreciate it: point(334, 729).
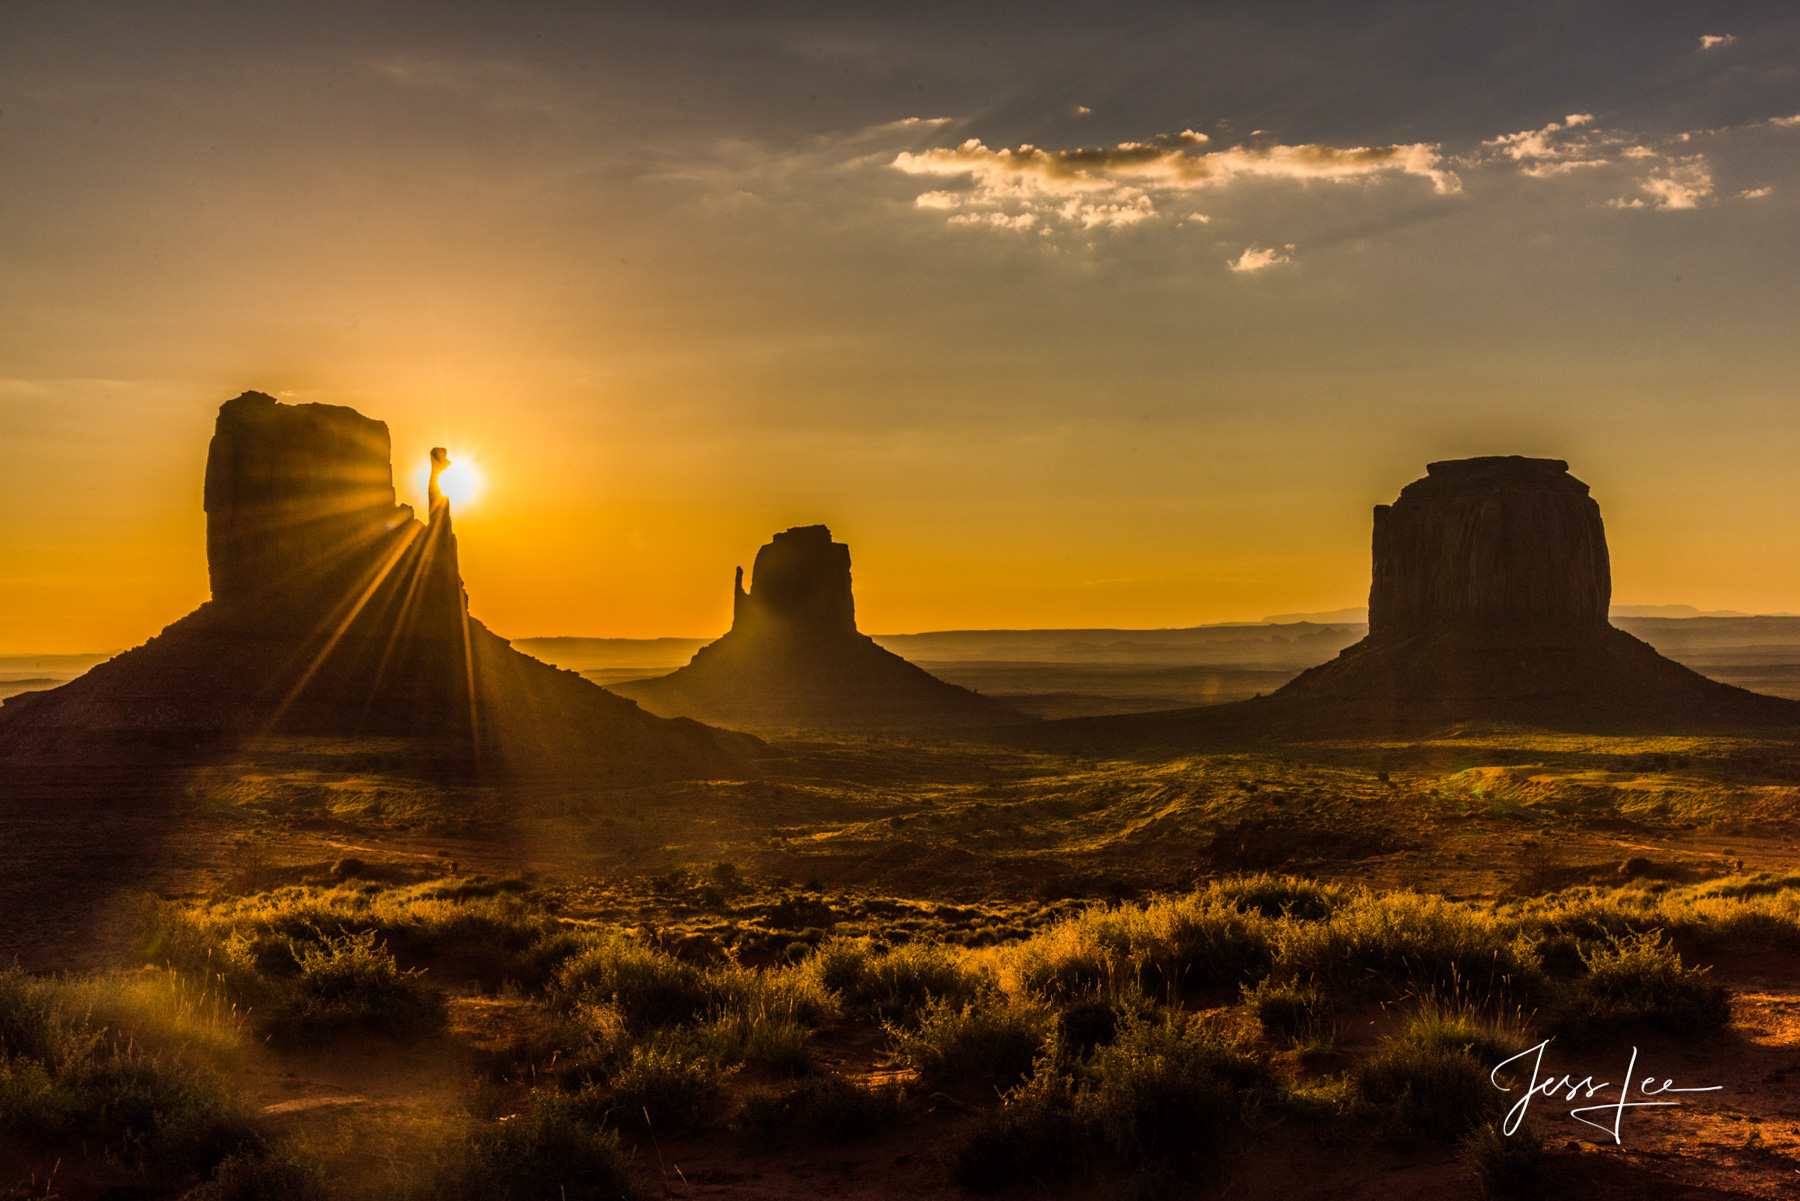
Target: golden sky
point(1056, 319)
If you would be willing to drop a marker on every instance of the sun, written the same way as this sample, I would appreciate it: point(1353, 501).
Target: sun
point(462, 482)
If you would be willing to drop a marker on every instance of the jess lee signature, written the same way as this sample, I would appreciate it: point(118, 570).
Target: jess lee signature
point(1585, 1089)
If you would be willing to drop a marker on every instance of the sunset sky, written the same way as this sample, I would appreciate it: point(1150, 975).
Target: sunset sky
point(1059, 315)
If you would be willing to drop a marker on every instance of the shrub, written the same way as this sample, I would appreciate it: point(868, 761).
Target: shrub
point(1173, 1090)
point(1382, 944)
point(783, 994)
point(1430, 1079)
point(772, 1046)
point(1283, 896)
point(777, 1048)
point(991, 1040)
point(66, 1079)
point(1638, 981)
point(666, 1084)
point(895, 985)
point(352, 982)
point(648, 988)
point(1042, 1132)
point(248, 1176)
point(1502, 1165)
point(1287, 1010)
point(542, 1154)
point(1085, 1024)
point(829, 1109)
point(1160, 948)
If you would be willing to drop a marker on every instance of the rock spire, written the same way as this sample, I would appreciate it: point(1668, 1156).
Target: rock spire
point(336, 614)
point(794, 658)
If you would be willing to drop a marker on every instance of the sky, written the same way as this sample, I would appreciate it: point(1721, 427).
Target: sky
point(1059, 315)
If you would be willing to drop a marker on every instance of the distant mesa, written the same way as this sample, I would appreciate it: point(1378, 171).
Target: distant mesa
point(1488, 604)
point(336, 613)
point(793, 657)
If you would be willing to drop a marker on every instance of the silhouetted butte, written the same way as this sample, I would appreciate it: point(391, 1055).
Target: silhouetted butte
point(1487, 603)
point(335, 613)
point(793, 656)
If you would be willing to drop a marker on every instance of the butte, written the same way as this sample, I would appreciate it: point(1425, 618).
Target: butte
point(793, 657)
point(1487, 606)
point(338, 620)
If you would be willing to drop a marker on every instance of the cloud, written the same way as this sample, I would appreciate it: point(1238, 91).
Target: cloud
point(1120, 185)
point(1755, 193)
point(1682, 184)
point(1710, 41)
point(1552, 150)
point(1257, 259)
point(1666, 179)
point(1786, 122)
point(1021, 221)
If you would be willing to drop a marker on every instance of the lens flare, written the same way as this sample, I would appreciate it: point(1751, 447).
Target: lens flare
point(462, 481)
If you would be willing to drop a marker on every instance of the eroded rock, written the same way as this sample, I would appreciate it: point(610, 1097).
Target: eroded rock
point(337, 615)
point(794, 658)
point(1490, 544)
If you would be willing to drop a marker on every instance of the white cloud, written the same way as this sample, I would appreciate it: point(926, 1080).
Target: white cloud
point(1120, 185)
point(1666, 180)
point(1709, 41)
point(1755, 193)
point(1257, 259)
point(1785, 121)
point(1022, 221)
point(1551, 150)
point(1682, 185)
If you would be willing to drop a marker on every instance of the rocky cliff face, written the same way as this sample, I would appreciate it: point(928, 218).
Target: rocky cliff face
point(793, 656)
point(801, 579)
point(336, 613)
point(1490, 545)
point(1488, 601)
point(298, 497)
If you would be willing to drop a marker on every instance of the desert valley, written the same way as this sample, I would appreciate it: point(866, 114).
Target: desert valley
point(1161, 601)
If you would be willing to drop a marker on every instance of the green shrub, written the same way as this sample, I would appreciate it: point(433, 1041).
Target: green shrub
point(1174, 1090)
point(992, 1040)
point(771, 1046)
point(1160, 948)
point(1430, 1079)
point(1083, 1024)
point(249, 1176)
point(648, 988)
point(1502, 1165)
point(352, 983)
point(1288, 1010)
point(467, 918)
point(791, 994)
point(828, 1109)
point(1391, 943)
point(543, 1154)
point(891, 985)
point(1282, 896)
point(1042, 1132)
point(666, 1084)
point(1638, 981)
point(777, 1047)
point(66, 1079)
